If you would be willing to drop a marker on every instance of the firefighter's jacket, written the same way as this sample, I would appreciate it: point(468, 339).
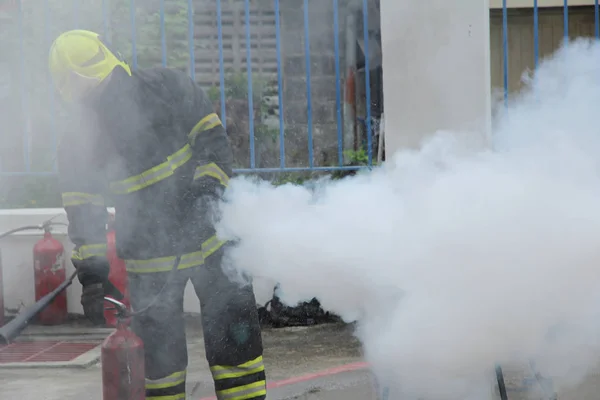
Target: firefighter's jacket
point(153, 145)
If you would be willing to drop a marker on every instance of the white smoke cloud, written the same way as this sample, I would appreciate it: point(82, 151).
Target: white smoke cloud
point(453, 260)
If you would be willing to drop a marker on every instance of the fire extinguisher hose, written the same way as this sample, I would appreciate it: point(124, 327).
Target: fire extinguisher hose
point(41, 227)
point(21, 229)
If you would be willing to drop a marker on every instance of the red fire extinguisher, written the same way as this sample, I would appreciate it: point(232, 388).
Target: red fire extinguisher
point(117, 274)
point(122, 357)
point(49, 273)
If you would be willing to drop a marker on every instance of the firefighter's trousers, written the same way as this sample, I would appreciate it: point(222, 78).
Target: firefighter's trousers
point(232, 334)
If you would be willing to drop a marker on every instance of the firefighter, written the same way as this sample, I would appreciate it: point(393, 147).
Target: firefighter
point(150, 141)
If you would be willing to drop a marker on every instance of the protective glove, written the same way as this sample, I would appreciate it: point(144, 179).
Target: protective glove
point(92, 300)
point(93, 276)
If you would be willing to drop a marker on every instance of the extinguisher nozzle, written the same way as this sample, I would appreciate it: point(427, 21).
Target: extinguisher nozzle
point(121, 308)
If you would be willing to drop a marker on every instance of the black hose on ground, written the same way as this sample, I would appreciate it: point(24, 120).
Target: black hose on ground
point(14, 328)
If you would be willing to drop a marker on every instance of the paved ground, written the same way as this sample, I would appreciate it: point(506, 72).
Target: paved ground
point(322, 362)
point(290, 355)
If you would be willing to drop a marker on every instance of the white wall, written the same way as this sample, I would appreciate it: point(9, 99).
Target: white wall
point(436, 69)
point(17, 262)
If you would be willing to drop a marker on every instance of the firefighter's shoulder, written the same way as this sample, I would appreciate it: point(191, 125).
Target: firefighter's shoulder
point(167, 78)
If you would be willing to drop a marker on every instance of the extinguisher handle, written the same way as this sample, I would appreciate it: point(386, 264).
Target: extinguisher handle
point(119, 307)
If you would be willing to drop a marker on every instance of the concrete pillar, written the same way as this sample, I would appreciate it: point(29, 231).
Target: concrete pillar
point(436, 70)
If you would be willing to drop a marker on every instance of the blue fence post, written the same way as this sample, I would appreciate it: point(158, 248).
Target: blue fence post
point(366, 38)
point(163, 34)
point(133, 34)
point(536, 24)
point(50, 87)
point(24, 102)
point(75, 13)
point(221, 64)
point(308, 88)
point(338, 90)
point(566, 21)
point(105, 21)
point(505, 50)
point(190, 11)
point(596, 19)
point(250, 93)
point(279, 85)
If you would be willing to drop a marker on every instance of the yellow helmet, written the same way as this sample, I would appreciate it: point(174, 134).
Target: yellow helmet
point(80, 61)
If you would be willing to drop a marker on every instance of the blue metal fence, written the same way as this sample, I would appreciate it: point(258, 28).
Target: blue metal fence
point(536, 38)
point(76, 10)
point(366, 120)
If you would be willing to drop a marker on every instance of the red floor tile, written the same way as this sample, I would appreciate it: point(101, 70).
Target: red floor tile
point(43, 351)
